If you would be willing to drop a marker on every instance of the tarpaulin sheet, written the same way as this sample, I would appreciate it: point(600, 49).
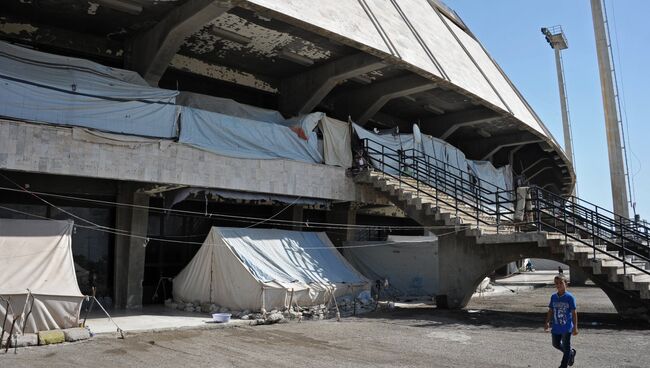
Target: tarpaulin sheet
point(228, 106)
point(441, 154)
point(36, 259)
point(394, 143)
point(337, 142)
point(261, 268)
point(47, 88)
point(243, 138)
point(408, 262)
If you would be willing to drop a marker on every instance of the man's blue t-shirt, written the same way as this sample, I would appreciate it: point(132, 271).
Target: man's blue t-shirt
point(562, 307)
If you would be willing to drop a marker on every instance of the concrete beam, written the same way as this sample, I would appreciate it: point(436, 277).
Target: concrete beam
point(445, 125)
point(487, 147)
point(301, 93)
point(151, 52)
point(523, 172)
point(528, 179)
point(364, 103)
point(499, 147)
point(52, 39)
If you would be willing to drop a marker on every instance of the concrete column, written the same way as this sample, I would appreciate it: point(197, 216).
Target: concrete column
point(616, 168)
point(577, 277)
point(297, 216)
point(130, 250)
point(344, 214)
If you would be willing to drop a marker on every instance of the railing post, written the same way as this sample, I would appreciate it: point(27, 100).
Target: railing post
point(416, 167)
point(623, 246)
point(477, 208)
point(566, 226)
point(456, 198)
point(538, 211)
point(498, 210)
point(437, 182)
point(593, 232)
point(383, 159)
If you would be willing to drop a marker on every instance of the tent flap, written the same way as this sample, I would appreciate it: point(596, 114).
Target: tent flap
point(36, 259)
point(261, 268)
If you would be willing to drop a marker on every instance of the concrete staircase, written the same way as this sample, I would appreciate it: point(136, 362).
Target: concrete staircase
point(627, 287)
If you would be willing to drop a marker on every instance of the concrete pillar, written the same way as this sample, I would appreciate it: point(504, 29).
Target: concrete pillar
point(297, 216)
point(344, 214)
point(577, 277)
point(616, 168)
point(130, 250)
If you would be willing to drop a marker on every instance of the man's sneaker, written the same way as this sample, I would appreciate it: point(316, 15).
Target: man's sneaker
point(572, 357)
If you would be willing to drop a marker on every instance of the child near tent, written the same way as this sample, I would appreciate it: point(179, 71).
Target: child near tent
point(562, 308)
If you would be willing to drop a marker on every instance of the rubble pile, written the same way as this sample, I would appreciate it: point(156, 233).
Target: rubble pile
point(344, 306)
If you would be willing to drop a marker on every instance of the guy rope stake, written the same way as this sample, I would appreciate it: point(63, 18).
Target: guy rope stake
point(90, 307)
point(2, 334)
point(31, 307)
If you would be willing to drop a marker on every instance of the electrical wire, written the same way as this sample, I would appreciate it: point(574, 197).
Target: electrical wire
point(196, 214)
point(147, 239)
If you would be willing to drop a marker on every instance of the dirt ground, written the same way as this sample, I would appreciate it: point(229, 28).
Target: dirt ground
point(493, 331)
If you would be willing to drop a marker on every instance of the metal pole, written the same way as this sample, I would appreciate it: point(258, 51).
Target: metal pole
point(616, 168)
point(568, 147)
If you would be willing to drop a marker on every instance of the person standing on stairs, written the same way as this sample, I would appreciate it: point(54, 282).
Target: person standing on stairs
point(562, 308)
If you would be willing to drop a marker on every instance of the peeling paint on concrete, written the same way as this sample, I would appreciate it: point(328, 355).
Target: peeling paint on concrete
point(265, 42)
point(220, 72)
point(16, 28)
point(92, 8)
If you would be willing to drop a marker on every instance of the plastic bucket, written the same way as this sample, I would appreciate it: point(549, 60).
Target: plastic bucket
point(221, 317)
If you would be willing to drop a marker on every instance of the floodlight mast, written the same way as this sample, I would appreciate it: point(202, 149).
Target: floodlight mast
point(614, 147)
point(557, 40)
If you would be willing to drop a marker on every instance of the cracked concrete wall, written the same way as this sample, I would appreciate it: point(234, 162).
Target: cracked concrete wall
point(53, 150)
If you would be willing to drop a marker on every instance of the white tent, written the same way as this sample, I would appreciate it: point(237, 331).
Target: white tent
point(253, 269)
point(36, 260)
point(408, 262)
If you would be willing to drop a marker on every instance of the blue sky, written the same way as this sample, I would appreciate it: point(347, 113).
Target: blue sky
point(510, 30)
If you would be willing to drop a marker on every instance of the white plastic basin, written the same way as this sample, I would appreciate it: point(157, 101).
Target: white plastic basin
point(221, 317)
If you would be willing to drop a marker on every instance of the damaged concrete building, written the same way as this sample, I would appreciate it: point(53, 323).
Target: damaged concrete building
point(145, 192)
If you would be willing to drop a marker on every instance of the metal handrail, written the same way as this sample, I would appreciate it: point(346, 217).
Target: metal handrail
point(477, 199)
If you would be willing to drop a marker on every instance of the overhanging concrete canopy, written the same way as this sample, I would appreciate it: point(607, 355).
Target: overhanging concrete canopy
point(445, 125)
point(364, 103)
point(301, 93)
point(152, 51)
point(483, 149)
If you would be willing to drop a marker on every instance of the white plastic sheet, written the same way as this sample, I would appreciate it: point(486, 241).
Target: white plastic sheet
point(42, 87)
point(36, 259)
point(440, 154)
point(238, 137)
point(406, 261)
point(265, 268)
point(337, 142)
point(228, 106)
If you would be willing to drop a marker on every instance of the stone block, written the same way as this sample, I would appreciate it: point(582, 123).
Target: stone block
point(50, 337)
point(28, 339)
point(76, 334)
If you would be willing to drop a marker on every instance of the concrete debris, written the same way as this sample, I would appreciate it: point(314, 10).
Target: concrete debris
point(274, 317)
point(347, 306)
point(76, 334)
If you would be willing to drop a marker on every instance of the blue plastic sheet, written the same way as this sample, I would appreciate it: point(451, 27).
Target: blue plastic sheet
point(243, 138)
point(46, 88)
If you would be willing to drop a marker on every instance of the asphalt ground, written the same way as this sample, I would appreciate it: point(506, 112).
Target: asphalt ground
point(504, 330)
